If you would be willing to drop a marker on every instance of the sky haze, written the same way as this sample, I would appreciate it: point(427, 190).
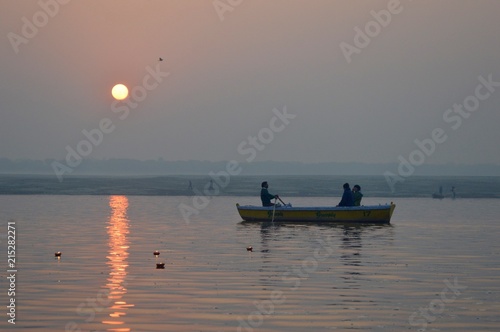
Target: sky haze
point(361, 81)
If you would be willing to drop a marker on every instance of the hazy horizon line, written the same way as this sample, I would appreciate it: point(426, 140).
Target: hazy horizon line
point(160, 166)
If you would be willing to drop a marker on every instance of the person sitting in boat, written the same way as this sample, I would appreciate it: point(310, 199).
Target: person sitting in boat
point(265, 196)
point(357, 195)
point(347, 199)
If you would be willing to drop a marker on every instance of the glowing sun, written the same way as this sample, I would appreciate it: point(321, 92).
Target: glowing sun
point(119, 92)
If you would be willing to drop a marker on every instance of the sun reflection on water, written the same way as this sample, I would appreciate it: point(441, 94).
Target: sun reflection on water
point(118, 229)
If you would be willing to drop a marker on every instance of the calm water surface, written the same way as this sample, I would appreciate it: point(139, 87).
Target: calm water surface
point(435, 268)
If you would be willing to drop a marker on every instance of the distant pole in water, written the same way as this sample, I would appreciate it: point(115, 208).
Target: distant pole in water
point(453, 195)
point(190, 187)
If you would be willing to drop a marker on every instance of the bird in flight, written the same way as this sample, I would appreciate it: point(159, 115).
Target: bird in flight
point(161, 59)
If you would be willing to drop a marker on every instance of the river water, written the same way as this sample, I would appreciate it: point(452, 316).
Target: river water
point(436, 267)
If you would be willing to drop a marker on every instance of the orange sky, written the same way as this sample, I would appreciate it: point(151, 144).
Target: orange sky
point(226, 76)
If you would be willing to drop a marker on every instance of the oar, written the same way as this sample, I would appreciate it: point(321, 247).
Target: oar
point(274, 210)
point(281, 201)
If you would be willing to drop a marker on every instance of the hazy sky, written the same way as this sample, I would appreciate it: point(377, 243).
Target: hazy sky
point(362, 85)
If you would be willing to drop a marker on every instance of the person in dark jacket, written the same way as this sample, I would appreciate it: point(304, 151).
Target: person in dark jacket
point(265, 196)
point(357, 195)
point(347, 199)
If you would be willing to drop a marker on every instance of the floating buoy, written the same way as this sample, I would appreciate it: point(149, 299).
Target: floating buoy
point(249, 248)
point(58, 254)
point(156, 253)
point(160, 265)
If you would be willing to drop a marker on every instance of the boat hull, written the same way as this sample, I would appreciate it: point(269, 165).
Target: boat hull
point(355, 214)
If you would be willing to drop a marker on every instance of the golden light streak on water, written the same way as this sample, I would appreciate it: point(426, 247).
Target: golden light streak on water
point(117, 229)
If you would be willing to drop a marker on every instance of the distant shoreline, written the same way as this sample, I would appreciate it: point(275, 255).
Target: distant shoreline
point(247, 185)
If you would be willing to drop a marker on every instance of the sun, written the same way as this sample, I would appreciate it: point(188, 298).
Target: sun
point(119, 92)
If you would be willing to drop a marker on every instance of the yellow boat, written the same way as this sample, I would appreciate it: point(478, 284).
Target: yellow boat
point(343, 214)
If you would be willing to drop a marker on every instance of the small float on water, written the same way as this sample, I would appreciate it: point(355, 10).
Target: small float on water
point(342, 214)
